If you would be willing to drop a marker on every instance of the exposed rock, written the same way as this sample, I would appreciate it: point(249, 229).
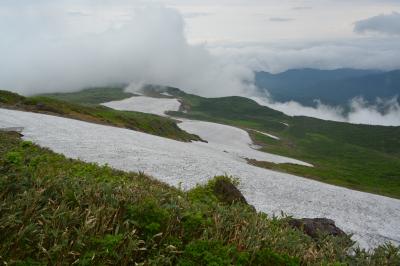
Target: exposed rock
point(317, 226)
point(227, 192)
point(13, 131)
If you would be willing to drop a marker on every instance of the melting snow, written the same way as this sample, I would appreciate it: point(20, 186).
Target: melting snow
point(371, 218)
point(165, 94)
point(144, 104)
point(266, 134)
point(283, 123)
point(231, 140)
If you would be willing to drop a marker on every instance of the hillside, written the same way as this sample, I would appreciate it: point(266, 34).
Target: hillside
point(338, 151)
point(334, 87)
point(61, 211)
point(371, 219)
point(95, 95)
point(360, 157)
point(148, 123)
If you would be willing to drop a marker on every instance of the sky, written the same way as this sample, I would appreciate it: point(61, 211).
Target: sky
point(207, 47)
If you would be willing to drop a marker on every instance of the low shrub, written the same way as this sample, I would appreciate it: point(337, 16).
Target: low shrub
point(58, 211)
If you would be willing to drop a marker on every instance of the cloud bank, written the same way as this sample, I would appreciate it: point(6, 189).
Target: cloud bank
point(383, 112)
point(279, 19)
point(278, 56)
point(384, 23)
point(48, 47)
point(43, 53)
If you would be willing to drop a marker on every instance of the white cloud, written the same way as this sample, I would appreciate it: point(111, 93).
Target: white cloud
point(383, 112)
point(363, 53)
point(302, 8)
point(278, 19)
point(384, 23)
point(44, 52)
point(362, 113)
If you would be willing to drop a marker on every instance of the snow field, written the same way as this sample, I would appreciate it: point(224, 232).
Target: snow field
point(231, 140)
point(145, 104)
point(371, 218)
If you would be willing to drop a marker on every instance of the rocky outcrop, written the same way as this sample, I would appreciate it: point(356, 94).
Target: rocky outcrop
point(13, 131)
point(227, 192)
point(317, 227)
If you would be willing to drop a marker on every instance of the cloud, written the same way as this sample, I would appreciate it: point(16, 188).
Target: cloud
point(384, 24)
point(277, 19)
point(302, 8)
point(190, 15)
point(77, 13)
point(45, 52)
point(362, 53)
point(383, 112)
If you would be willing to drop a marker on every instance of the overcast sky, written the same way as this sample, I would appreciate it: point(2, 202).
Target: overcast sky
point(267, 20)
point(236, 20)
point(64, 38)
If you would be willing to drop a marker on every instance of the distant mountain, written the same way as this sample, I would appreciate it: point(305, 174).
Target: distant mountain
point(335, 87)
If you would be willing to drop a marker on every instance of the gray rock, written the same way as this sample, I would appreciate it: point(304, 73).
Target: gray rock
point(316, 227)
point(227, 192)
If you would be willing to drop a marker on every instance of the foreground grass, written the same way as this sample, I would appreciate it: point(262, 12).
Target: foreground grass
point(147, 123)
point(361, 157)
point(60, 211)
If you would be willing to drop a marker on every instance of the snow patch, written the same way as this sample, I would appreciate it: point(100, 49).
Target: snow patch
point(283, 123)
point(220, 137)
point(166, 94)
point(10, 129)
point(232, 140)
point(266, 134)
point(157, 106)
point(371, 218)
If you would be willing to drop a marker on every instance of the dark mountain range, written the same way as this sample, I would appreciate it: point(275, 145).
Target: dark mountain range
point(334, 87)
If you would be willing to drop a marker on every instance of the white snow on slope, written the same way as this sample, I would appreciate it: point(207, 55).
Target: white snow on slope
point(166, 94)
point(371, 218)
point(144, 104)
point(266, 134)
point(283, 123)
point(223, 138)
point(231, 140)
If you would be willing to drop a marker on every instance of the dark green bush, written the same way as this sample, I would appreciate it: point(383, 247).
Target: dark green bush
point(268, 258)
point(212, 253)
point(148, 216)
point(13, 157)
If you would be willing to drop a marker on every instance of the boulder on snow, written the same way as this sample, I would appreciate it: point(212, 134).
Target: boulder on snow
point(317, 226)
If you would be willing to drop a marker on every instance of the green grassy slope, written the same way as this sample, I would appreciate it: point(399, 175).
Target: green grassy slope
point(59, 211)
point(147, 123)
point(92, 95)
point(361, 157)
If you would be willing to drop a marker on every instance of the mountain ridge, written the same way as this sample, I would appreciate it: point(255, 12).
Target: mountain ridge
point(333, 87)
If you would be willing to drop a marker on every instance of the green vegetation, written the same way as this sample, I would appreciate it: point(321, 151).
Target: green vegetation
point(147, 123)
point(59, 211)
point(360, 157)
point(92, 95)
